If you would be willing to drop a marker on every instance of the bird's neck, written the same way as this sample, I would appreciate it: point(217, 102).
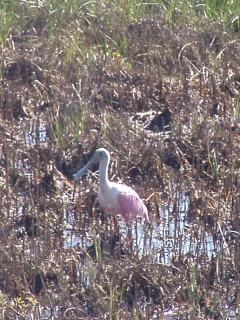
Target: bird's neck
point(103, 173)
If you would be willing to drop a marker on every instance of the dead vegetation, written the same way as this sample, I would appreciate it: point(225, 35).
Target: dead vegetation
point(162, 95)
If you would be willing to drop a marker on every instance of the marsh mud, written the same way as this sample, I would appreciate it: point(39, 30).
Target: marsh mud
point(163, 98)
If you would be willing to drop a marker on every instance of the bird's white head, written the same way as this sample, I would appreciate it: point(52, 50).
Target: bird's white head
point(101, 155)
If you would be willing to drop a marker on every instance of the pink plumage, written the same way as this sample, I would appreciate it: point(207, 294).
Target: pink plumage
point(115, 198)
point(131, 206)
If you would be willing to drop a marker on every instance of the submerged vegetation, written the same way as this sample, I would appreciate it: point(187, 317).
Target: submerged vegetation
point(158, 85)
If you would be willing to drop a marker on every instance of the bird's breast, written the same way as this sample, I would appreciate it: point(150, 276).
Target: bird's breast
point(108, 197)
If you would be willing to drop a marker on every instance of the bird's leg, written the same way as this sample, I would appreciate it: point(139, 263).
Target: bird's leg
point(116, 236)
point(116, 230)
point(136, 232)
point(129, 232)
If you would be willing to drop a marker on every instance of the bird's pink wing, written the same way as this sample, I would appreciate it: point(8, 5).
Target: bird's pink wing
point(131, 206)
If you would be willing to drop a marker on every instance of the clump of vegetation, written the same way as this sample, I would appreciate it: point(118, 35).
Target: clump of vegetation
point(157, 84)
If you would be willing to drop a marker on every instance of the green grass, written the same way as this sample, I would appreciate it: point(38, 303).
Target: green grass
point(85, 70)
point(8, 18)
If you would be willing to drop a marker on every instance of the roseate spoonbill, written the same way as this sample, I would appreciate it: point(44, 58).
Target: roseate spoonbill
point(114, 198)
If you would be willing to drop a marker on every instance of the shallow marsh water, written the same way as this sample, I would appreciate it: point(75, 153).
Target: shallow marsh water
point(169, 234)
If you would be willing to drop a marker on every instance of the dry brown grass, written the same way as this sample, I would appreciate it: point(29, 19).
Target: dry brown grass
point(63, 94)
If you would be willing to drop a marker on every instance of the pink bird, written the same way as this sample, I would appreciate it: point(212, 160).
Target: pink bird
point(114, 198)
